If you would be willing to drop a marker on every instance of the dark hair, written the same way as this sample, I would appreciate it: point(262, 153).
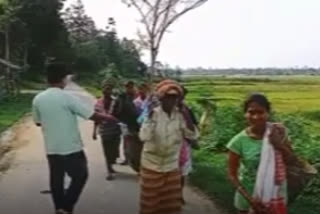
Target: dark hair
point(143, 85)
point(129, 83)
point(257, 98)
point(56, 72)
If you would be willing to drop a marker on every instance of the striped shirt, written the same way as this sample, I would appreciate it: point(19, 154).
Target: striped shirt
point(108, 128)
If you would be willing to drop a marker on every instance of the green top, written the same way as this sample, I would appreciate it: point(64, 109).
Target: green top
point(57, 112)
point(249, 150)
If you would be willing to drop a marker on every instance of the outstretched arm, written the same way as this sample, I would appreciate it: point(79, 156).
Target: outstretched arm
point(98, 117)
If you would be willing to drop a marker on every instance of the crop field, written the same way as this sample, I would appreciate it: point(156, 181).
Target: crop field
point(295, 102)
point(287, 94)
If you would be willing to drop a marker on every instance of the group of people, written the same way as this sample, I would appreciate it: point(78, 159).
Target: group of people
point(125, 127)
point(156, 127)
point(158, 131)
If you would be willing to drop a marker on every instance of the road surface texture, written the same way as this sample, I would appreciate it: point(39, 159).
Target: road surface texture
point(24, 180)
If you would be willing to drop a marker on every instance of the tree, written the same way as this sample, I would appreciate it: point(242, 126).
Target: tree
point(111, 45)
point(44, 31)
point(157, 16)
point(89, 57)
point(131, 63)
point(9, 22)
point(30, 32)
point(80, 26)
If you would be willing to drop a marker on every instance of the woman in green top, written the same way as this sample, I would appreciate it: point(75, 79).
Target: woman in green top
point(245, 149)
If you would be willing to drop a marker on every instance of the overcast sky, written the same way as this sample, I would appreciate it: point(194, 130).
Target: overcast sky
point(230, 33)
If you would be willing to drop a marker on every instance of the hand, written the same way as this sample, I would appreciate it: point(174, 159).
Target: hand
point(277, 136)
point(112, 118)
point(150, 114)
point(94, 136)
point(258, 206)
point(98, 117)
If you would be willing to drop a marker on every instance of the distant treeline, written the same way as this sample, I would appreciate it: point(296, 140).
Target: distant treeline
point(257, 71)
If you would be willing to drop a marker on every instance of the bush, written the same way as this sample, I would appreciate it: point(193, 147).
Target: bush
point(210, 164)
point(12, 109)
point(209, 174)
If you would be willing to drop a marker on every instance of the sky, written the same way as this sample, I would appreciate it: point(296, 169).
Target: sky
point(229, 33)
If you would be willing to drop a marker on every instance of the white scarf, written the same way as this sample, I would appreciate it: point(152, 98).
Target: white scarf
point(266, 188)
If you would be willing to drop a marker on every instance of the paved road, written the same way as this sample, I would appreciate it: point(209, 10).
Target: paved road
point(27, 177)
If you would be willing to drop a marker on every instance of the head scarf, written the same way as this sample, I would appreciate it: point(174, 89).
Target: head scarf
point(168, 87)
point(165, 82)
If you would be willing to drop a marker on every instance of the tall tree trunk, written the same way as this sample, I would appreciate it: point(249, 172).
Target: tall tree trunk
point(7, 58)
point(7, 49)
point(153, 69)
point(25, 57)
point(152, 63)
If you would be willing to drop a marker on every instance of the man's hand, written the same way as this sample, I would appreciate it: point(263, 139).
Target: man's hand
point(98, 117)
point(112, 117)
point(94, 136)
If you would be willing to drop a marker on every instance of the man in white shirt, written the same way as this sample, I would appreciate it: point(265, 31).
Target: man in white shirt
point(56, 112)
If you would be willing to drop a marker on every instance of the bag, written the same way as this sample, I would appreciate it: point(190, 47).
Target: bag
point(299, 172)
point(299, 175)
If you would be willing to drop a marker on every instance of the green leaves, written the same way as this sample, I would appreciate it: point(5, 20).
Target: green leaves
point(228, 121)
point(80, 26)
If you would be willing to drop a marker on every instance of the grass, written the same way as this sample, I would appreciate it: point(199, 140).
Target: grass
point(286, 95)
point(90, 83)
point(210, 176)
point(11, 110)
point(294, 95)
point(32, 85)
point(297, 95)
